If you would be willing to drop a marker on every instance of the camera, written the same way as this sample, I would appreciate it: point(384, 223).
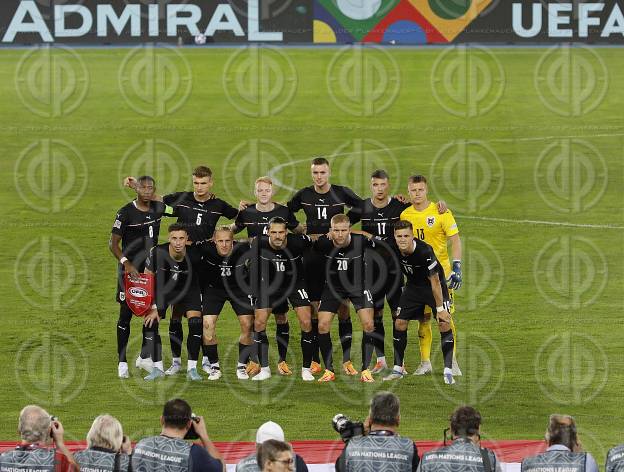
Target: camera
point(53, 419)
point(191, 433)
point(346, 427)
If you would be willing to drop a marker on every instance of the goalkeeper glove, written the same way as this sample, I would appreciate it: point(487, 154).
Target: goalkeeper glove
point(455, 279)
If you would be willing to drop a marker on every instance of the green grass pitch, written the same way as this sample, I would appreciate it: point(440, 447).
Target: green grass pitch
point(539, 315)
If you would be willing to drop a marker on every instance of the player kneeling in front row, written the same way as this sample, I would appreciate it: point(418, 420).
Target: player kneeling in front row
point(278, 276)
point(345, 266)
point(425, 286)
point(175, 267)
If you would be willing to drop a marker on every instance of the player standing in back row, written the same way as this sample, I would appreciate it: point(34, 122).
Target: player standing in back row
point(320, 202)
point(436, 230)
point(134, 233)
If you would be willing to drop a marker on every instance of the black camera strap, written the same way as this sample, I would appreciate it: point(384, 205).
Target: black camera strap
point(117, 466)
point(487, 464)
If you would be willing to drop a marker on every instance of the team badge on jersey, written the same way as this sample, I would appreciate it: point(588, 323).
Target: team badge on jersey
point(430, 221)
point(139, 293)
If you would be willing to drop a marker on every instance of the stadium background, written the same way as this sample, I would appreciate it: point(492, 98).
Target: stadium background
point(525, 145)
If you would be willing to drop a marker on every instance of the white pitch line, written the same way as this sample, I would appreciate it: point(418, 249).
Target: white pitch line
point(538, 222)
point(279, 183)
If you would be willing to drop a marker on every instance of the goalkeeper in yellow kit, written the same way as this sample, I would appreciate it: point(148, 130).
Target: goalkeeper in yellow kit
point(436, 230)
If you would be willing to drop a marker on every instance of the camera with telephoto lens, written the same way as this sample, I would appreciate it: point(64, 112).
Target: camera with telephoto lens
point(191, 433)
point(347, 428)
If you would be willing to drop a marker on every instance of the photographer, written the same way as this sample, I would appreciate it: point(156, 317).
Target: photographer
point(170, 452)
point(465, 452)
point(564, 449)
point(380, 448)
point(37, 430)
point(108, 448)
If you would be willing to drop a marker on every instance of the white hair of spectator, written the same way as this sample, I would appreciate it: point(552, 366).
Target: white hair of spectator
point(105, 432)
point(34, 424)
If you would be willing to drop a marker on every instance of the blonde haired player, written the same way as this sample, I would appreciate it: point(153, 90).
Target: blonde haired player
point(436, 230)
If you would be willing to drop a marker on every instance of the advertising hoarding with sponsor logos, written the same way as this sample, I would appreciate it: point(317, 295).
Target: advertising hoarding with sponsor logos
point(311, 21)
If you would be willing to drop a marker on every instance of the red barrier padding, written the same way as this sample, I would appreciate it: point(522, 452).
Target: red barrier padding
point(325, 452)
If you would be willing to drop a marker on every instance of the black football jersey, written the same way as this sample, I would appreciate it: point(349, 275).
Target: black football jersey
point(257, 222)
point(345, 267)
point(173, 278)
point(226, 271)
point(319, 208)
point(378, 221)
point(199, 218)
point(139, 229)
point(420, 265)
point(279, 267)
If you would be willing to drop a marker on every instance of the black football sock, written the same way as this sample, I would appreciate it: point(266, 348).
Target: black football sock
point(194, 340)
point(176, 335)
point(306, 348)
point(325, 343)
point(264, 349)
point(345, 332)
point(153, 343)
point(212, 353)
point(315, 342)
point(123, 335)
point(399, 339)
point(282, 337)
point(244, 352)
point(448, 344)
point(380, 333)
point(368, 346)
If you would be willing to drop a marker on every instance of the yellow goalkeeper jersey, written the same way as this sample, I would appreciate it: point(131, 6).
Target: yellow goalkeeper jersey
point(434, 229)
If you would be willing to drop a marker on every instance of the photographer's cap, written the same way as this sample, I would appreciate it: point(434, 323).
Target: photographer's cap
point(269, 430)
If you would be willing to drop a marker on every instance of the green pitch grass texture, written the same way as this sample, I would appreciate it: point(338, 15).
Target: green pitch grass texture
point(532, 137)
